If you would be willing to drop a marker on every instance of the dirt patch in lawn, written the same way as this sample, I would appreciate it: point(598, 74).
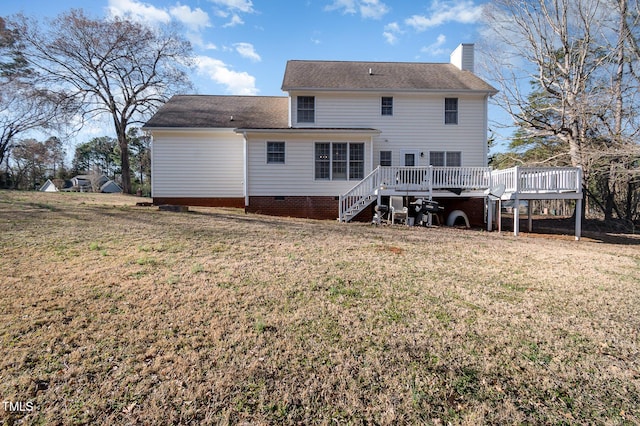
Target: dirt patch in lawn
point(116, 314)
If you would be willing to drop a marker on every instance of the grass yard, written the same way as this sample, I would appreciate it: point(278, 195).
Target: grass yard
point(116, 314)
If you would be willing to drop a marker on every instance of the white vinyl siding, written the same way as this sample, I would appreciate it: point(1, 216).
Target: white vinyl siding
point(298, 176)
point(197, 164)
point(417, 122)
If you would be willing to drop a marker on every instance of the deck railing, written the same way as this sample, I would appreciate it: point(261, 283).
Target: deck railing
point(539, 179)
point(393, 179)
point(359, 193)
point(461, 177)
point(430, 178)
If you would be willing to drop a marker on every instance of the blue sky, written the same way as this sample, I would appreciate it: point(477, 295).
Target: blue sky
point(242, 45)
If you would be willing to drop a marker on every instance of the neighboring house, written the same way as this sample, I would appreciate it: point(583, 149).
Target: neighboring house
point(297, 155)
point(91, 183)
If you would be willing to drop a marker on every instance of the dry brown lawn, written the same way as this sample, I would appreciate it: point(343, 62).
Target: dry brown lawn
point(117, 314)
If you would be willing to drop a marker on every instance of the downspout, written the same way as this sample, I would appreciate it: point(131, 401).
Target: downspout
point(370, 154)
point(245, 171)
point(486, 131)
point(152, 151)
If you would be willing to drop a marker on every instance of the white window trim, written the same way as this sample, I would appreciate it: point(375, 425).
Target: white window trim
point(266, 153)
point(445, 157)
point(444, 111)
point(392, 106)
point(348, 161)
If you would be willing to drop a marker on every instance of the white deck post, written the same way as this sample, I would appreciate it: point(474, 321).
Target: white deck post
point(489, 214)
point(529, 218)
point(516, 216)
point(578, 218)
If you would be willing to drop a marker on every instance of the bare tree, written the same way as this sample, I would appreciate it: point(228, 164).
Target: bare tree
point(24, 106)
point(117, 67)
point(566, 71)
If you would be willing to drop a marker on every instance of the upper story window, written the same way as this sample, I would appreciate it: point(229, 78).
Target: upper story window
point(306, 109)
point(451, 111)
point(445, 158)
point(275, 152)
point(385, 158)
point(387, 105)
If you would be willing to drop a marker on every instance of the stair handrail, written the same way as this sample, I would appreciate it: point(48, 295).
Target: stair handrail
point(364, 188)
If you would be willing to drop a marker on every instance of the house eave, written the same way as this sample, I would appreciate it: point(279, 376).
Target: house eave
point(313, 130)
point(190, 129)
point(392, 90)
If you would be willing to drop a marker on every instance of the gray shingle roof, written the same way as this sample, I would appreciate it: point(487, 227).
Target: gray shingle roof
point(390, 76)
point(213, 111)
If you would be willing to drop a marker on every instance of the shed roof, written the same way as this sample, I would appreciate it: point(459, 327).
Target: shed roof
point(218, 111)
point(381, 76)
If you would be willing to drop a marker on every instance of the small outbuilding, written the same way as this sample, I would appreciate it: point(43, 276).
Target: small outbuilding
point(110, 187)
point(48, 187)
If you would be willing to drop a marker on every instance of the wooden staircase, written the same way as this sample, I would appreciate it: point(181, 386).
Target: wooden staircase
point(360, 196)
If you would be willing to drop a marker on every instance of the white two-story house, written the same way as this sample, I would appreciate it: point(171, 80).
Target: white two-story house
point(302, 154)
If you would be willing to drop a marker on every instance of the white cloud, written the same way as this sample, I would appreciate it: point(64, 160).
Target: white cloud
point(138, 11)
point(245, 6)
point(443, 11)
point(197, 40)
point(347, 6)
point(391, 32)
point(233, 8)
point(236, 83)
point(235, 20)
point(372, 9)
point(196, 19)
point(436, 48)
point(246, 50)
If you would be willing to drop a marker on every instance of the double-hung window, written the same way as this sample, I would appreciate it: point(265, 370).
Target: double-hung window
point(306, 109)
point(356, 161)
point(451, 111)
point(275, 153)
point(385, 158)
point(445, 158)
point(339, 161)
point(323, 161)
point(387, 105)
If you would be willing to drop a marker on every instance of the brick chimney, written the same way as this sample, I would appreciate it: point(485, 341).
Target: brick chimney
point(462, 57)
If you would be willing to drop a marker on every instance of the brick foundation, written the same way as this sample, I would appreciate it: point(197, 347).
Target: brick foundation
point(305, 207)
point(203, 202)
point(321, 207)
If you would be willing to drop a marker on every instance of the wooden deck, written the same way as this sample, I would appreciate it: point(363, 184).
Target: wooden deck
point(517, 183)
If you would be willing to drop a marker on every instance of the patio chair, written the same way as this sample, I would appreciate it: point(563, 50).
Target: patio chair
point(398, 210)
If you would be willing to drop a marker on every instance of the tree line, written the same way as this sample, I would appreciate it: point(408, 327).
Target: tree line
point(31, 162)
point(59, 75)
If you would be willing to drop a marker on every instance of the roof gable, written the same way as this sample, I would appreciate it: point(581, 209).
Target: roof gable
point(405, 76)
point(216, 111)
